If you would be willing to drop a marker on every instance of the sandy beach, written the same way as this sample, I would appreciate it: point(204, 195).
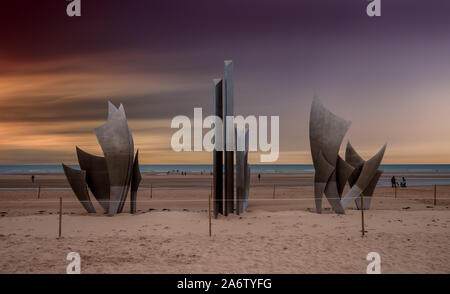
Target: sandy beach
point(279, 233)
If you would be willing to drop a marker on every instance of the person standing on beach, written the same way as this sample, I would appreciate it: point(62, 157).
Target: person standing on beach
point(259, 177)
point(393, 181)
point(32, 179)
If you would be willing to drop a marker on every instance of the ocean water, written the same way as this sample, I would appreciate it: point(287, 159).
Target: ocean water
point(8, 169)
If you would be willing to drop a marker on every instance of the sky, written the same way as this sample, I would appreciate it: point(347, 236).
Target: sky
point(389, 75)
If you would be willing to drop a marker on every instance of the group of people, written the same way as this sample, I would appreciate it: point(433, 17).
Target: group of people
point(396, 184)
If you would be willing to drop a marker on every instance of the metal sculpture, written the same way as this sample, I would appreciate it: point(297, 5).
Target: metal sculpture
point(109, 177)
point(326, 132)
point(223, 161)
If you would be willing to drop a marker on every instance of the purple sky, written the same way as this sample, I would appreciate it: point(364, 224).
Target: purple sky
point(388, 75)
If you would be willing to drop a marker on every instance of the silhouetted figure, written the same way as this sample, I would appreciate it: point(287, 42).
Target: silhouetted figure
point(32, 179)
point(394, 182)
point(259, 177)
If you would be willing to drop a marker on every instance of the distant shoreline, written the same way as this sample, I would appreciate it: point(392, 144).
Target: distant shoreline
point(207, 168)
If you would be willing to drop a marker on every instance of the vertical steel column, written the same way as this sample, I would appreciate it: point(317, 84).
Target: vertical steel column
point(242, 172)
point(228, 110)
point(218, 153)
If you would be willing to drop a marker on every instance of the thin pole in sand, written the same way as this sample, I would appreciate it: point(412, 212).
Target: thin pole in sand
point(151, 191)
point(435, 195)
point(209, 213)
point(39, 192)
point(60, 217)
point(362, 214)
point(273, 191)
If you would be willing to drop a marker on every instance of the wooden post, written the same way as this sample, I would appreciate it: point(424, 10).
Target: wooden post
point(60, 216)
point(435, 195)
point(39, 191)
point(213, 203)
point(209, 213)
point(151, 191)
point(362, 214)
point(273, 191)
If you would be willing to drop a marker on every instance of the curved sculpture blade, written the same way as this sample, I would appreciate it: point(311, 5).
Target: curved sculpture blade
point(77, 180)
point(135, 181)
point(368, 172)
point(332, 195)
point(111, 110)
point(117, 144)
point(96, 176)
point(373, 184)
point(128, 180)
point(326, 132)
point(368, 192)
point(352, 157)
point(323, 172)
point(355, 160)
point(343, 172)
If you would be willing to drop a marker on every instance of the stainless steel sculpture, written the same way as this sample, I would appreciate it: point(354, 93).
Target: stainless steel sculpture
point(364, 178)
point(326, 132)
point(225, 137)
point(109, 177)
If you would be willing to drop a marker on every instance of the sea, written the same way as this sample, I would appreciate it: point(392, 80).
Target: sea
point(419, 179)
point(196, 168)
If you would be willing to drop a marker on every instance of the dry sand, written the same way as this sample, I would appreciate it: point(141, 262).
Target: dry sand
point(169, 234)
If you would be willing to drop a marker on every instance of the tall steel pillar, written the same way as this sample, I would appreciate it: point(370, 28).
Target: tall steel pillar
point(218, 149)
point(228, 110)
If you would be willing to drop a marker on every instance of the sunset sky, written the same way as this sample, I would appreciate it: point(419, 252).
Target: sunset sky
point(389, 75)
